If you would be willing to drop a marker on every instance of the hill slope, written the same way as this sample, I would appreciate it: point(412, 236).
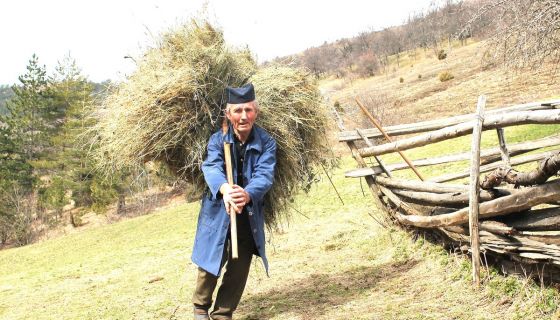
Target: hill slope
point(422, 96)
point(331, 262)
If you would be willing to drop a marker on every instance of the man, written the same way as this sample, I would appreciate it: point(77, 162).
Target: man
point(253, 161)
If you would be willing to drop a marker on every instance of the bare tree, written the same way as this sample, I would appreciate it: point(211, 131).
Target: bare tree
point(527, 32)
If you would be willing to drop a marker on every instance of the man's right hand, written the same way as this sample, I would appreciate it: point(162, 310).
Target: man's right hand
point(233, 196)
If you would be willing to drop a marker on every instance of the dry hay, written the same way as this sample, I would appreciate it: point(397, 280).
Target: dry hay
point(167, 110)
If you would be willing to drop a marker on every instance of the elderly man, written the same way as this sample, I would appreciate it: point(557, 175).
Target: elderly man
point(254, 159)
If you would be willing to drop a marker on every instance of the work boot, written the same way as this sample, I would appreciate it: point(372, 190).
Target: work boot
point(200, 314)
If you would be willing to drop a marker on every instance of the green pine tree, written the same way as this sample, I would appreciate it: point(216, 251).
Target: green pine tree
point(31, 115)
point(71, 170)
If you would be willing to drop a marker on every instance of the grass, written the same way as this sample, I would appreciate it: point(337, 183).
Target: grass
point(331, 261)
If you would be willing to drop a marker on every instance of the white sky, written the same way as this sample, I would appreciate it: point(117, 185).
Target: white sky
point(98, 34)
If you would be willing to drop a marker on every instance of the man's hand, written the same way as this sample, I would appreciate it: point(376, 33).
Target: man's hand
point(234, 196)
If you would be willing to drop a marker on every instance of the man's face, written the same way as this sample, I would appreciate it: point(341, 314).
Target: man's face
point(242, 117)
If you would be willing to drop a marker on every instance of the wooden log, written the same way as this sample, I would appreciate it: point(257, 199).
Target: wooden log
point(457, 198)
point(503, 148)
point(535, 220)
point(497, 227)
point(436, 124)
point(474, 189)
point(420, 186)
point(399, 203)
point(491, 122)
point(487, 156)
point(517, 202)
point(547, 168)
point(490, 167)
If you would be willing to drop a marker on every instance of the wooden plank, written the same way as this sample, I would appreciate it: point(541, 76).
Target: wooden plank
point(425, 126)
point(491, 122)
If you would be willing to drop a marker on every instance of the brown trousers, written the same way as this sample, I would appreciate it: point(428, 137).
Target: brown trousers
point(233, 280)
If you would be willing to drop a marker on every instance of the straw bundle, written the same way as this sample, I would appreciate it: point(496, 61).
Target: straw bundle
point(167, 110)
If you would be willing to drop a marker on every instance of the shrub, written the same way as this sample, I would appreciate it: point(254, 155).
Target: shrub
point(338, 107)
point(419, 76)
point(441, 55)
point(401, 80)
point(445, 76)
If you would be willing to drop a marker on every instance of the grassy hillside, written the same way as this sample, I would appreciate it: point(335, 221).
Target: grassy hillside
point(422, 96)
point(332, 261)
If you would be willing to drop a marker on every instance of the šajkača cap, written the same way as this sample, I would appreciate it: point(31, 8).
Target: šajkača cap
point(243, 94)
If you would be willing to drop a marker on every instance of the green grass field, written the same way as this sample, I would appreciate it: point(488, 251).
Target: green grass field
point(331, 261)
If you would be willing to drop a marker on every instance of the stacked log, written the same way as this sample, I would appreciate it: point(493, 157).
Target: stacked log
point(519, 212)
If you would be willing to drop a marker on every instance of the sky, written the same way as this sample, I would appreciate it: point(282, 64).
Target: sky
point(99, 34)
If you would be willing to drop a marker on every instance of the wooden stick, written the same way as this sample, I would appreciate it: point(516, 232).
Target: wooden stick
point(370, 144)
point(378, 125)
point(474, 190)
point(229, 175)
point(492, 122)
point(487, 156)
point(436, 124)
point(503, 148)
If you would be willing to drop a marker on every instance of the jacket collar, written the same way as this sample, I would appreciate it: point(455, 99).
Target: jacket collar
point(255, 143)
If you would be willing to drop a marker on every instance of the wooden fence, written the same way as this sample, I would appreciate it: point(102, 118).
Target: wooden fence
point(516, 215)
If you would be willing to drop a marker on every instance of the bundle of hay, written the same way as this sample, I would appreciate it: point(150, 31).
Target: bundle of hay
point(167, 110)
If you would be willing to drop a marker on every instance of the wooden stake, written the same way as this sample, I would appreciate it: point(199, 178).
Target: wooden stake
point(474, 190)
point(380, 128)
point(503, 149)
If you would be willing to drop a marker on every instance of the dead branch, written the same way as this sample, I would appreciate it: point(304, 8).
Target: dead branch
point(547, 168)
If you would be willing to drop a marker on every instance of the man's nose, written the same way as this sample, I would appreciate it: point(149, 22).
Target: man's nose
point(243, 114)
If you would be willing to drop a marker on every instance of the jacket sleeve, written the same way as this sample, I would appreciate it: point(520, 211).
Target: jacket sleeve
point(213, 166)
point(263, 173)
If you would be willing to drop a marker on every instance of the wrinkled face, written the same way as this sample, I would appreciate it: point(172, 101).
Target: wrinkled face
point(242, 117)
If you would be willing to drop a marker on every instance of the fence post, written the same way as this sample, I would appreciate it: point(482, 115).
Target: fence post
point(475, 188)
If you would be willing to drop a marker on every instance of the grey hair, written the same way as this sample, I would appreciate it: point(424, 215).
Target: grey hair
point(254, 102)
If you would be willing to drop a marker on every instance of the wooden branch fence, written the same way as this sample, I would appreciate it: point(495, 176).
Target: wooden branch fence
point(512, 217)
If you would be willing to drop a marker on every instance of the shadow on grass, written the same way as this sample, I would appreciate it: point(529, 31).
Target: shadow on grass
point(319, 293)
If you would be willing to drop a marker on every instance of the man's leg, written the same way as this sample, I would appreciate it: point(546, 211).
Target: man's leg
point(205, 285)
point(235, 277)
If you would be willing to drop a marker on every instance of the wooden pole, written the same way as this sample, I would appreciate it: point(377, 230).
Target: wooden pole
point(380, 128)
point(463, 129)
point(232, 213)
point(503, 148)
point(431, 125)
point(474, 190)
point(370, 144)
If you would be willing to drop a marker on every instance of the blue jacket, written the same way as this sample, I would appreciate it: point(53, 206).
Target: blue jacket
point(213, 222)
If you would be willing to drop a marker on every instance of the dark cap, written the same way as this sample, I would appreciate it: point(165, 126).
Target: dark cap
point(241, 95)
